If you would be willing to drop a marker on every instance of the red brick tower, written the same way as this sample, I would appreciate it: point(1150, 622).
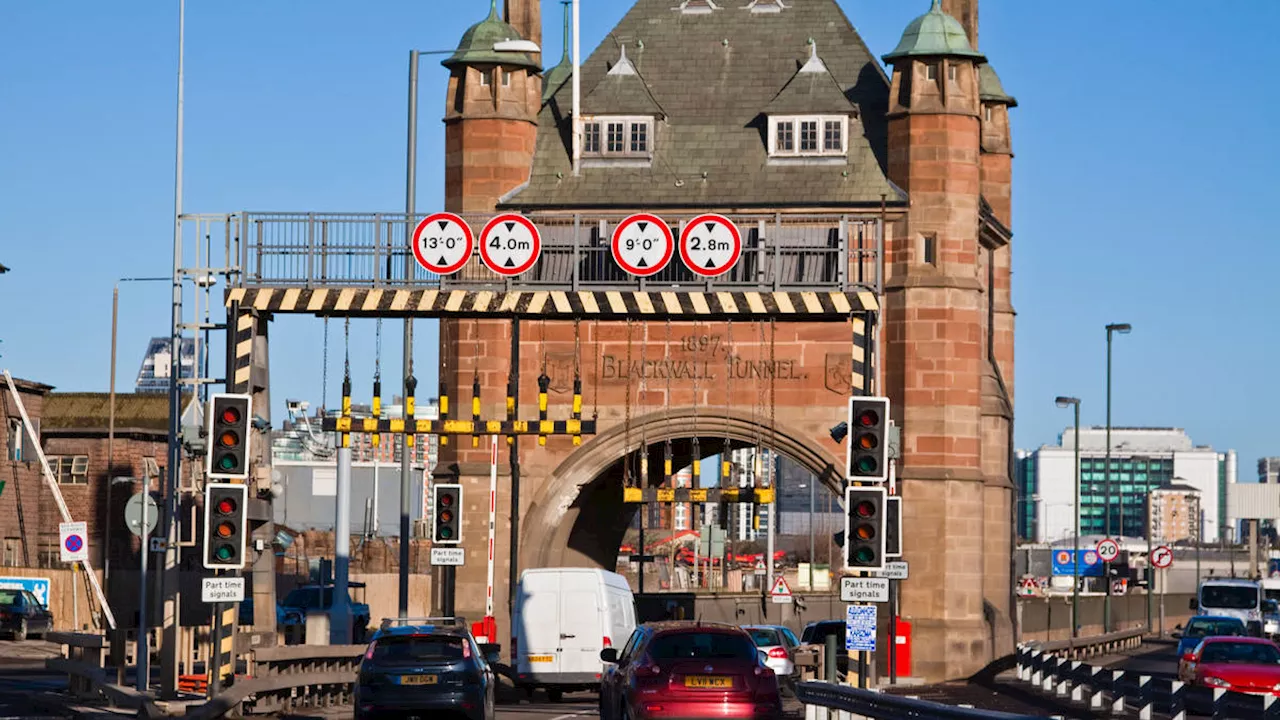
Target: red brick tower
point(935, 355)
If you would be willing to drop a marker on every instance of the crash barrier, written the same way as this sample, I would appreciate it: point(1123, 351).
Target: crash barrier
point(89, 678)
point(821, 698)
point(1052, 671)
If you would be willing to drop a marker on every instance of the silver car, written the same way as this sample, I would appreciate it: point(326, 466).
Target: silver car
point(779, 643)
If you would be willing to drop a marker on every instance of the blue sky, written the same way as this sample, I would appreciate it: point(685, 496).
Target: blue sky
point(1145, 153)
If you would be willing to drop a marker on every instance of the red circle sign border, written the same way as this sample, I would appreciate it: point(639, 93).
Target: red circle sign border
point(533, 232)
point(1168, 552)
point(1107, 543)
point(437, 217)
point(666, 232)
point(737, 243)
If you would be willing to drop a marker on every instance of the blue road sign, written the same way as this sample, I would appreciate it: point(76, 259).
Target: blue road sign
point(37, 586)
point(860, 628)
point(1090, 563)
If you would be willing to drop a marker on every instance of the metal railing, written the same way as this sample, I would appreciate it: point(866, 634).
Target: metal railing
point(84, 661)
point(879, 705)
point(1051, 671)
point(371, 250)
point(288, 678)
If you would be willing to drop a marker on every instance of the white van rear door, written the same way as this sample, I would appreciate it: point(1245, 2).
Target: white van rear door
point(540, 620)
point(581, 630)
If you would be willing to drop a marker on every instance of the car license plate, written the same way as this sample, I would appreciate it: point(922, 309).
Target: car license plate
point(542, 658)
point(419, 679)
point(704, 681)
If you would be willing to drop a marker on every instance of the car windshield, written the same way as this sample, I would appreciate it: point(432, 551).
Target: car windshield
point(1272, 593)
point(1204, 627)
point(764, 637)
point(405, 649)
point(702, 646)
point(1238, 652)
point(10, 597)
point(1231, 597)
point(815, 633)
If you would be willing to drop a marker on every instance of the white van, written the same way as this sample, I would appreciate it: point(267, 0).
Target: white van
point(563, 618)
point(1230, 597)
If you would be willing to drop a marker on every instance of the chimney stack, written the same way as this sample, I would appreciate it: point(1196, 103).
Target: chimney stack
point(526, 17)
point(966, 11)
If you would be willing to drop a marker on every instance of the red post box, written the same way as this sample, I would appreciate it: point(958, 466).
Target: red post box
point(902, 649)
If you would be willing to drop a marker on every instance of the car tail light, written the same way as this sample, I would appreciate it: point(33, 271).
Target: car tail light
point(608, 642)
point(369, 654)
point(778, 653)
point(762, 671)
point(654, 670)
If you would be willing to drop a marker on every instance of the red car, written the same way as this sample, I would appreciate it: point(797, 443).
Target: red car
point(1240, 664)
point(688, 670)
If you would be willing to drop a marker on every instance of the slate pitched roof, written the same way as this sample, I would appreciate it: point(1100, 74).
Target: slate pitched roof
point(713, 74)
point(622, 91)
point(91, 411)
point(811, 90)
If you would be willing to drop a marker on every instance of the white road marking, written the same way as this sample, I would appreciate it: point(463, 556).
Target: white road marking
point(580, 713)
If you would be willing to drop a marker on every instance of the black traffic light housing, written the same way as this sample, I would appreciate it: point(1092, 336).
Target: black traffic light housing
point(868, 437)
point(227, 453)
point(447, 523)
point(225, 525)
point(893, 527)
point(864, 533)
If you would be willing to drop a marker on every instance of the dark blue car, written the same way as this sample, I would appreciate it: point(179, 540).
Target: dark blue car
point(1203, 626)
point(425, 668)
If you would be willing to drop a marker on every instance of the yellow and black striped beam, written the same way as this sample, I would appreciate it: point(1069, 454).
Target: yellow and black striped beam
point(763, 496)
point(396, 426)
point(242, 369)
point(223, 660)
point(557, 304)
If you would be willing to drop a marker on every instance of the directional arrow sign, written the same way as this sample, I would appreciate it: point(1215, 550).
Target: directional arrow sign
point(510, 244)
point(643, 244)
point(1162, 557)
point(443, 243)
point(710, 245)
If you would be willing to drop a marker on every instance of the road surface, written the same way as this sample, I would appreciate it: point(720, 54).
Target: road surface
point(22, 677)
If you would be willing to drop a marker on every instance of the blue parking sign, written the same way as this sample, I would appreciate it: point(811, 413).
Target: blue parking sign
point(860, 628)
point(37, 586)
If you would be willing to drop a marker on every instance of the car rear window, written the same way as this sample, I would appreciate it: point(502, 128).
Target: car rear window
point(764, 637)
point(1205, 628)
point(1236, 652)
point(418, 648)
point(702, 646)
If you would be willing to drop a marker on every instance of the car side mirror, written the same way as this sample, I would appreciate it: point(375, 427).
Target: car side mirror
point(609, 655)
point(763, 657)
point(492, 653)
point(1175, 635)
point(1193, 604)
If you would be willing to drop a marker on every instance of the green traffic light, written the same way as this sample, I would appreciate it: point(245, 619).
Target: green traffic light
point(227, 462)
point(446, 532)
point(864, 555)
point(224, 552)
point(866, 465)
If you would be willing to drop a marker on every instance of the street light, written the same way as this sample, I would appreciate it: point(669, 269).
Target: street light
point(1123, 329)
point(1071, 402)
point(410, 192)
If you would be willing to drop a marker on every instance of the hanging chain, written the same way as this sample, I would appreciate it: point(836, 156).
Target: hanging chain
point(377, 358)
point(595, 391)
point(324, 377)
point(626, 432)
point(346, 342)
point(543, 330)
point(666, 448)
point(773, 397)
point(475, 357)
point(728, 403)
point(643, 400)
point(577, 352)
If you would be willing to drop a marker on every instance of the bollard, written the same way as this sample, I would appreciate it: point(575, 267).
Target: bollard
point(1177, 700)
point(829, 659)
point(1219, 703)
point(1117, 693)
point(1270, 707)
point(1096, 683)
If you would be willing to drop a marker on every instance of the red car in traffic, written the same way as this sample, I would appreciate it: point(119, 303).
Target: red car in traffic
point(688, 670)
point(1239, 664)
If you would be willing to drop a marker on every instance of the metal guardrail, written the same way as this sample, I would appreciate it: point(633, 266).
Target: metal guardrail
point(882, 706)
point(371, 250)
point(88, 677)
point(1049, 670)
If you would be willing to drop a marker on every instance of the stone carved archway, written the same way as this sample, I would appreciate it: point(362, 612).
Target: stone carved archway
point(556, 514)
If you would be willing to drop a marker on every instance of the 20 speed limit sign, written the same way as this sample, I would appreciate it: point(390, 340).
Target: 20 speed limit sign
point(642, 244)
point(442, 243)
point(1108, 550)
point(510, 244)
point(710, 245)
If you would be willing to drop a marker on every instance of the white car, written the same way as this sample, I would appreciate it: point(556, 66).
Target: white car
point(779, 644)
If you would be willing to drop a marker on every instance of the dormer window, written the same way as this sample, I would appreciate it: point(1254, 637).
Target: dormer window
point(617, 137)
point(808, 136)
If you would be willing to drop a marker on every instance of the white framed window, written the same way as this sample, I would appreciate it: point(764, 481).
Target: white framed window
point(70, 469)
point(506, 78)
point(617, 137)
point(808, 136)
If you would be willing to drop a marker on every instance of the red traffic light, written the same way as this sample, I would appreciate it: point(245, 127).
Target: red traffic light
point(226, 506)
point(230, 415)
point(865, 509)
point(868, 418)
point(446, 499)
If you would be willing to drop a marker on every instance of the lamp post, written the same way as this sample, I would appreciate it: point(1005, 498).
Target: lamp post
point(1123, 329)
point(410, 193)
point(1074, 403)
point(813, 561)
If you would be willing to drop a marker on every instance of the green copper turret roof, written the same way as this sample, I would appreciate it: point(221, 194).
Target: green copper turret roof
point(556, 76)
point(990, 89)
point(934, 34)
point(476, 46)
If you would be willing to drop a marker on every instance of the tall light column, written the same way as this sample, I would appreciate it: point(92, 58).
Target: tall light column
point(1063, 402)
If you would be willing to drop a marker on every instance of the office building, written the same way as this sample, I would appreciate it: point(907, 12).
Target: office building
point(1142, 459)
point(1269, 470)
point(1175, 513)
point(153, 376)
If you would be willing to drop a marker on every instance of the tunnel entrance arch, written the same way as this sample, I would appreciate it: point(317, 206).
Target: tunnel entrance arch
point(578, 518)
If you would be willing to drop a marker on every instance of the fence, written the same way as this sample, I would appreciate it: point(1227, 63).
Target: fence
point(1053, 669)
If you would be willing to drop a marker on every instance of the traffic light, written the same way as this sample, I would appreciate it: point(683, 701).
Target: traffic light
point(864, 528)
point(448, 515)
point(893, 527)
point(868, 438)
point(225, 523)
point(227, 456)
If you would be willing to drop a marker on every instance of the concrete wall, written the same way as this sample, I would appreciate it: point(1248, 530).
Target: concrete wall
point(1049, 619)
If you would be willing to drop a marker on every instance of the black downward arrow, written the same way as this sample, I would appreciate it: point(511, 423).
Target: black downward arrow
point(642, 263)
point(643, 225)
point(710, 265)
point(511, 226)
point(710, 227)
point(444, 224)
point(508, 263)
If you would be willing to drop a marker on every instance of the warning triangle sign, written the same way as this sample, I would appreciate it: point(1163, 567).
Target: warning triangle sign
point(711, 227)
point(711, 265)
point(508, 263)
point(442, 262)
point(643, 225)
point(781, 588)
point(510, 226)
point(444, 224)
point(642, 263)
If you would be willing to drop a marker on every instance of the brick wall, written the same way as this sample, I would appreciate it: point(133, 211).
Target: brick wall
point(25, 496)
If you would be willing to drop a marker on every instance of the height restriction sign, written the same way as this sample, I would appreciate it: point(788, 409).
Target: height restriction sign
point(710, 245)
point(642, 244)
point(442, 243)
point(510, 244)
